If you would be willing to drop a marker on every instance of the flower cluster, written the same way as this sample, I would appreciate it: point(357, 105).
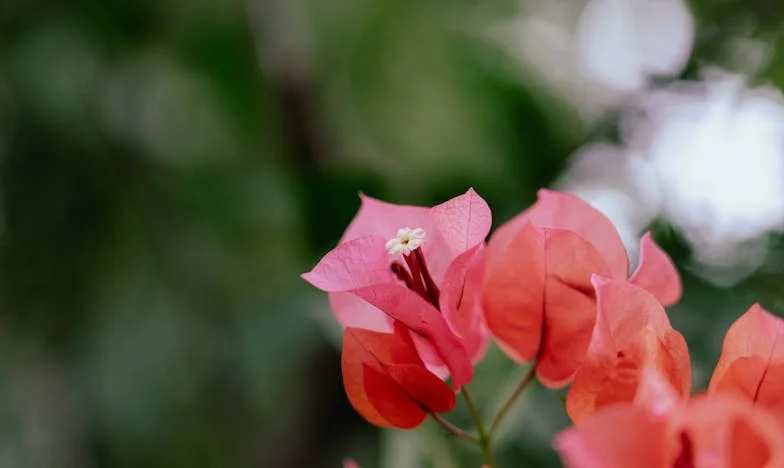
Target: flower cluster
point(420, 294)
point(405, 282)
point(736, 423)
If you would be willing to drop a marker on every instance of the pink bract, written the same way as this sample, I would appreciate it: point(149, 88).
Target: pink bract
point(365, 293)
point(537, 295)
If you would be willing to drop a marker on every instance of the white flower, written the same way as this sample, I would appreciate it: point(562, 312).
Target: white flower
point(406, 241)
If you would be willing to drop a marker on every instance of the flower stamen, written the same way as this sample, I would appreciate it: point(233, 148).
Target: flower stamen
point(419, 279)
point(686, 456)
point(402, 274)
point(406, 241)
point(416, 274)
point(430, 285)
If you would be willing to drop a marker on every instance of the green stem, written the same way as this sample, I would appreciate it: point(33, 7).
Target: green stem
point(454, 430)
point(484, 441)
point(527, 378)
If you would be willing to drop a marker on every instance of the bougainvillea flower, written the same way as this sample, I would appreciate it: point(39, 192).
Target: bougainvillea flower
point(632, 333)
point(656, 394)
point(420, 267)
point(350, 463)
point(722, 431)
point(387, 382)
point(752, 360)
point(538, 298)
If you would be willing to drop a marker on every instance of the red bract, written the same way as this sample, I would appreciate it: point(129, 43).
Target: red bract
point(538, 297)
point(387, 382)
point(632, 334)
point(419, 267)
point(752, 360)
point(721, 431)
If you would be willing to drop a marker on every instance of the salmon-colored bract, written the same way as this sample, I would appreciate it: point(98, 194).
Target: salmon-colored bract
point(419, 267)
point(538, 298)
point(632, 334)
point(722, 431)
point(752, 360)
point(387, 382)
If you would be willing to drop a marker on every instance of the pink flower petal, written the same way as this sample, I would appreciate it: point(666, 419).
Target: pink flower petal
point(373, 393)
point(352, 311)
point(357, 263)
point(752, 360)
point(386, 382)
point(461, 301)
point(558, 210)
point(656, 273)
point(656, 394)
point(463, 221)
point(361, 267)
point(421, 317)
point(513, 291)
point(639, 308)
point(538, 299)
point(430, 357)
point(569, 307)
point(378, 218)
point(628, 308)
point(620, 436)
point(631, 333)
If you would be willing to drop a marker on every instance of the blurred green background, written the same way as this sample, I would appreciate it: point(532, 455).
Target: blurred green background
point(169, 168)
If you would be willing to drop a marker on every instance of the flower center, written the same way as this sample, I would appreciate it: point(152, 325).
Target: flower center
point(686, 454)
point(417, 276)
point(406, 241)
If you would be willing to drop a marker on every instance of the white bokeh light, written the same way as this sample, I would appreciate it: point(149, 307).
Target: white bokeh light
point(625, 42)
point(617, 182)
point(705, 156)
point(718, 150)
point(708, 158)
point(593, 54)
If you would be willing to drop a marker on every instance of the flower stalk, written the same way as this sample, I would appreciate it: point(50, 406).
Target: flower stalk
point(484, 441)
point(454, 430)
point(527, 378)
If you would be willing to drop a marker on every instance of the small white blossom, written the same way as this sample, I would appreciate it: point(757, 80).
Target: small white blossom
point(406, 241)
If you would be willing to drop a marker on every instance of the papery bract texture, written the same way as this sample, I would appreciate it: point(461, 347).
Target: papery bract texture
point(656, 273)
point(620, 436)
point(386, 381)
point(725, 431)
point(366, 290)
point(632, 334)
point(656, 394)
point(705, 432)
point(538, 298)
point(752, 360)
